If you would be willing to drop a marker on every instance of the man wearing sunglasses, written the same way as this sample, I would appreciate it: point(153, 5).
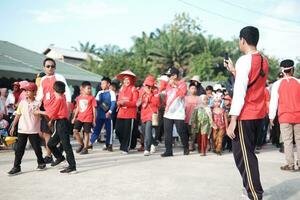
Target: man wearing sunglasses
point(45, 95)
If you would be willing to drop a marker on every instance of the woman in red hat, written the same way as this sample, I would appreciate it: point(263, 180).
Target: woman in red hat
point(126, 103)
point(149, 101)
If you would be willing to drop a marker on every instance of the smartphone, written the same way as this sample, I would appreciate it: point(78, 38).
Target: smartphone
point(226, 58)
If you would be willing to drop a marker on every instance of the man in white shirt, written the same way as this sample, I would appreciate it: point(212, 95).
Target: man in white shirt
point(248, 109)
point(175, 112)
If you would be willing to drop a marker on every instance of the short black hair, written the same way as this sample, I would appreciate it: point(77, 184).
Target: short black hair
point(107, 79)
point(49, 59)
point(209, 88)
point(193, 84)
point(86, 83)
point(250, 34)
point(59, 87)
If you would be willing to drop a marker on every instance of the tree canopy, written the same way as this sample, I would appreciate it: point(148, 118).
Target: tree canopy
point(181, 43)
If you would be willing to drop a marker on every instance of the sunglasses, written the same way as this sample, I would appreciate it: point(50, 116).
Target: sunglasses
point(50, 66)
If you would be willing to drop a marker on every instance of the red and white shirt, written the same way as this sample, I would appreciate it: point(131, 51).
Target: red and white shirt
point(285, 96)
point(249, 104)
point(45, 92)
point(85, 105)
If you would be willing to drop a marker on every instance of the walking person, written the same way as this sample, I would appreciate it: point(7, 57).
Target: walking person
point(127, 99)
point(175, 112)
point(248, 109)
point(58, 119)
point(285, 96)
point(45, 95)
point(84, 117)
point(149, 106)
point(106, 101)
point(28, 128)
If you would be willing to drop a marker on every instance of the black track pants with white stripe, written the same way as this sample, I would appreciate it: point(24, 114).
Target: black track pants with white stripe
point(243, 148)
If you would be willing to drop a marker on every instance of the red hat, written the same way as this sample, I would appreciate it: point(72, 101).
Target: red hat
point(30, 87)
point(23, 84)
point(149, 81)
point(126, 73)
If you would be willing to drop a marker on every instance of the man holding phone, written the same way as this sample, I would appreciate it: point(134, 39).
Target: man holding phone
point(248, 109)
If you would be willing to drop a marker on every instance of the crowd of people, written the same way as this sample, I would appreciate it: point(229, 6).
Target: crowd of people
point(169, 107)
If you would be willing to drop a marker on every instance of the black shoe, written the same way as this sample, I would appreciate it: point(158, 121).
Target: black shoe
point(48, 159)
point(69, 170)
point(14, 170)
point(186, 152)
point(41, 166)
point(57, 161)
point(84, 151)
point(166, 154)
point(109, 148)
point(90, 147)
point(79, 149)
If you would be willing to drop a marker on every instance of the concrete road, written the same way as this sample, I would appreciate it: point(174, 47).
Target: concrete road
point(105, 175)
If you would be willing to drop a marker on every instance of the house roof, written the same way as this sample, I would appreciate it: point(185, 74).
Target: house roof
point(18, 62)
point(71, 53)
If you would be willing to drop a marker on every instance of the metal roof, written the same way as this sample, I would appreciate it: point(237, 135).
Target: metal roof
point(71, 53)
point(27, 64)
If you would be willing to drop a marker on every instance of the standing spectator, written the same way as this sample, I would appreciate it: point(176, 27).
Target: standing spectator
point(210, 95)
point(163, 82)
point(28, 127)
point(46, 96)
point(285, 96)
point(190, 103)
point(3, 97)
point(149, 105)
point(195, 80)
point(248, 109)
point(106, 103)
point(84, 117)
point(174, 112)
point(201, 123)
point(127, 99)
point(12, 100)
point(220, 121)
point(227, 105)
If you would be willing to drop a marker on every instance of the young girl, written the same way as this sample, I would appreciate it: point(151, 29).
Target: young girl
point(220, 121)
point(201, 123)
point(28, 127)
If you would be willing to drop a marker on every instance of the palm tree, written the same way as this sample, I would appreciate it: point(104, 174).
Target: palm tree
point(172, 49)
point(87, 47)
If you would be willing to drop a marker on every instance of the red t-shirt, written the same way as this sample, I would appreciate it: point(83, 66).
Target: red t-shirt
point(85, 105)
point(58, 109)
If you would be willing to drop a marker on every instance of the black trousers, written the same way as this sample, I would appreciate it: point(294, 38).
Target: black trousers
point(124, 131)
point(243, 147)
point(168, 130)
point(21, 145)
point(60, 134)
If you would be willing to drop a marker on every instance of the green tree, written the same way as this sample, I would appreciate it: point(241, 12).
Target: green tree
point(86, 47)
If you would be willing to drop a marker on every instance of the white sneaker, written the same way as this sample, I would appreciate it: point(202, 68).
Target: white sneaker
point(152, 149)
point(146, 153)
point(124, 152)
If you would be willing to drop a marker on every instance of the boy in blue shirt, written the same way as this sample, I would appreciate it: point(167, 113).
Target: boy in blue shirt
point(106, 104)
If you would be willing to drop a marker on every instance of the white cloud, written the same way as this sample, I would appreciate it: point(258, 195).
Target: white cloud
point(278, 37)
point(77, 10)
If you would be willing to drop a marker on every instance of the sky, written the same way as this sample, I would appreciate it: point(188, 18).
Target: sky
point(35, 24)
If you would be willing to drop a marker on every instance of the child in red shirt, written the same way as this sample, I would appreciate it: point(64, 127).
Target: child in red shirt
point(85, 116)
point(58, 114)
